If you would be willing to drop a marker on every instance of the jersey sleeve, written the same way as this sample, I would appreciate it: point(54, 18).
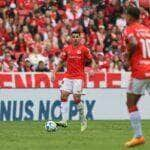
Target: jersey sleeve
point(129, 35)
point(87, 53)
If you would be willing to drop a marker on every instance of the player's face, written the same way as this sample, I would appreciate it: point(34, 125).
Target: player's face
point(75, 39)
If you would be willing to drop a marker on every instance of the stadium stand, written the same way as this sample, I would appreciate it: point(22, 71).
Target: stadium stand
point(34, 32)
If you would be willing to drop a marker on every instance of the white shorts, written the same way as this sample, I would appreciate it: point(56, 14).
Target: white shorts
point(73, 86)
point(137, 86)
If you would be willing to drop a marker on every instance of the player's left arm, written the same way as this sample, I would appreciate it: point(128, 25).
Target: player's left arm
point(89, 56)
point(132, 45)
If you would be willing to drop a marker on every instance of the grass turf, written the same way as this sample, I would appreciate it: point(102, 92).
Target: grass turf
point(100, 135)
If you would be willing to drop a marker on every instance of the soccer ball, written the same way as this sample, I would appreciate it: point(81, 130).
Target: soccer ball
point(50, 126)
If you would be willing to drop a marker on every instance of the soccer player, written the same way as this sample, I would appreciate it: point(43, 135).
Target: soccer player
point(75, 56)
point(137, 37)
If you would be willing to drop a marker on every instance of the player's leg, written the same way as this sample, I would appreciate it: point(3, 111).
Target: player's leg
point(77, 92)
point(64, 109)
point(80, 107)
point(66, 89)
point(135, 91)
point(134, 114)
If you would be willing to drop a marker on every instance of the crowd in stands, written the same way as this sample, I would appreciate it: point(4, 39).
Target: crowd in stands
point(34, 32)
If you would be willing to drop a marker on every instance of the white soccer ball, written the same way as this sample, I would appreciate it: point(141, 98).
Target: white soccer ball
point(50, 126)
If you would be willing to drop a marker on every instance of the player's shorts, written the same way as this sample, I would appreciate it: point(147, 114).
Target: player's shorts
point(73, 86)
point(137, 86)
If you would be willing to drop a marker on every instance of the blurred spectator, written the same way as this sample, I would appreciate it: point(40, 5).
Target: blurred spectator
point(121, 22)
point(101, 36)
point(21, 67)
point(11, 66)
point(28, 66)
point(35, 57)
point(103, 63)
point(42, 67)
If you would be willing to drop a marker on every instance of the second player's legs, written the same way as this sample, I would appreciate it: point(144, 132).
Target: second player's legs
point(135, 118)
point(135, 91)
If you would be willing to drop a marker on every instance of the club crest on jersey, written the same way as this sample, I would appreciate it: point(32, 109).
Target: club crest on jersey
point(79, 52)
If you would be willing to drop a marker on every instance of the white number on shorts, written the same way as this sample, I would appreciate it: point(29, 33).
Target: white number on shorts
point(145, 47)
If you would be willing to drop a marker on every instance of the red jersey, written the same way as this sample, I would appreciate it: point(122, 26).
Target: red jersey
point(140, 60)
point(75, 60)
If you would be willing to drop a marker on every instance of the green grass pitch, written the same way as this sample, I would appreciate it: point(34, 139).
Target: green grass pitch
point(100, 135)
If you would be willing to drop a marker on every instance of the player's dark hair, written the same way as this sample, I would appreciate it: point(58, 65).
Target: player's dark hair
point(133, 12)
point(75, 32)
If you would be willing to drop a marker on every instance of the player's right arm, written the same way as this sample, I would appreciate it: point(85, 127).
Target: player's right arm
point(132, 45)
point(130, 42)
